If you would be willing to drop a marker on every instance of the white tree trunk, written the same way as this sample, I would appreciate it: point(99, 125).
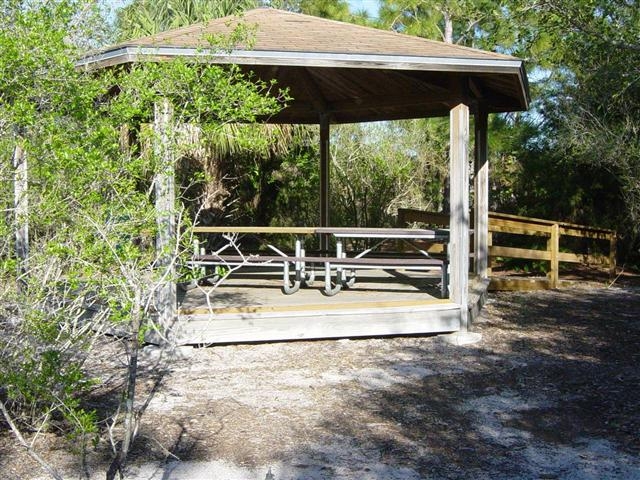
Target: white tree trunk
point(21, 210)
point(164, 185)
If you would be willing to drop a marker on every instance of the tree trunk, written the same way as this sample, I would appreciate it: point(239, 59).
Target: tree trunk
point(130, 423)
point(448, 27)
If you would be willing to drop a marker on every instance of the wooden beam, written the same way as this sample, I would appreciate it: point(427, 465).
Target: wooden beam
point(499, 226)
point(436, 83)
point(515, 252)
point(475, 87)
point(324, 178)
point(519, 284)
point(21, 213)
point(164, 186)
point(320, 105)
point(321, 323)
point(314, 307)
point(481, 190)
point(316, 97)
point(459, 204)
point(375, 102)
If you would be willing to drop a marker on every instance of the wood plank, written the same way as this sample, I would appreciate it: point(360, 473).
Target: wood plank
point(519, 229)
point(258, 229)
point(331, 324)
point(305, 308)
point(586, 232)
point(518, 284)
point(541, 221)
point(408, 215)
point(584, 258)
point(513, 252)
point(364, 104)
point(581, 258)
point(524, 228)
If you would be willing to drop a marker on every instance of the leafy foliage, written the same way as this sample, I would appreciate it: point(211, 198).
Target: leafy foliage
point(92, 218)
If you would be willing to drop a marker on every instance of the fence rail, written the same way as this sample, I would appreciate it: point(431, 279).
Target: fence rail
point(501, 223)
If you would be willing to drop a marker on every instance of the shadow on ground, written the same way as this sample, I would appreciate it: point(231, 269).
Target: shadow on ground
point(552, 391)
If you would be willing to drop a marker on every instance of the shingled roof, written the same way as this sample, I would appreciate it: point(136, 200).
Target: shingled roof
point(353, 73)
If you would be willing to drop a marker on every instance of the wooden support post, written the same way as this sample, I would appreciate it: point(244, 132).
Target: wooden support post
point(164, 187)
point(553, 247)
point(612, 255)
point(459, 201)
point(490, 262)
point(324, 178)
point(21, 213)
point(481, 189)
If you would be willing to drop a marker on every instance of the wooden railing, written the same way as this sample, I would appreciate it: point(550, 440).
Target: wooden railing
point(553, 252)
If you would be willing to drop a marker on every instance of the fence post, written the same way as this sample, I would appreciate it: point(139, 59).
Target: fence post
point(489, 257)
point(612, 255)
point(553, 247)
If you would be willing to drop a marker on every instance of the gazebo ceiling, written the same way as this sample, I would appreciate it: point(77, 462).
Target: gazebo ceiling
point(349, 72)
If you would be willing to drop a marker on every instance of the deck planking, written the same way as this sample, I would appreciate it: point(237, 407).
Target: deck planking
point(252, 307)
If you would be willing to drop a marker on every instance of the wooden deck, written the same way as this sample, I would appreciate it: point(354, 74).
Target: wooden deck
point(251, 307)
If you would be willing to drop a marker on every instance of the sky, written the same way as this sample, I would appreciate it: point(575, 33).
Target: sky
point(371, 6)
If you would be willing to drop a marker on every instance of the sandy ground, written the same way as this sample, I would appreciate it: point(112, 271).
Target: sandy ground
point(551, 392)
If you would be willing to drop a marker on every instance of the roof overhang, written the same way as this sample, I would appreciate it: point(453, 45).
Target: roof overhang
point(130, 54)
point(389, 77)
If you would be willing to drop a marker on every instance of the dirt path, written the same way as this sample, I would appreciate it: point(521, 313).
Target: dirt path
point(551, 392)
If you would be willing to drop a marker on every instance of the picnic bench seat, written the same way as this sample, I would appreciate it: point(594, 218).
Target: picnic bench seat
point(375, 263)
point(303, 275)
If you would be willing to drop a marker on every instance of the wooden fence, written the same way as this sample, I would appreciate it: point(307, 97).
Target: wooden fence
point(506, 229)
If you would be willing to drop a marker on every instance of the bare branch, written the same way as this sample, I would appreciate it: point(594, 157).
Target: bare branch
point(28, 447)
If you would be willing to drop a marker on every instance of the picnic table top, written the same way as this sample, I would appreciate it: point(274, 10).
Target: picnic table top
point(353, 232)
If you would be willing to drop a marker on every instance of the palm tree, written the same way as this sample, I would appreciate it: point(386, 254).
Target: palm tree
point(147, 17)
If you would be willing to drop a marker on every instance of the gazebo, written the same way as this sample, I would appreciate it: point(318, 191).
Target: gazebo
point(343, 73)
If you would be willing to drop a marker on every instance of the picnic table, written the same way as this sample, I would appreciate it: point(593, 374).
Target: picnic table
point(338, 260)
point(383, 235)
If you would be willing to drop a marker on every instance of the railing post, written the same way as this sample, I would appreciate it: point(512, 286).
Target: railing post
point(553, 247)
point(612, 255)
point(489, 257)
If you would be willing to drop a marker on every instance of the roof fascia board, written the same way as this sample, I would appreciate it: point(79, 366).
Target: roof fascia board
point(524, 85)
point(304, 59)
